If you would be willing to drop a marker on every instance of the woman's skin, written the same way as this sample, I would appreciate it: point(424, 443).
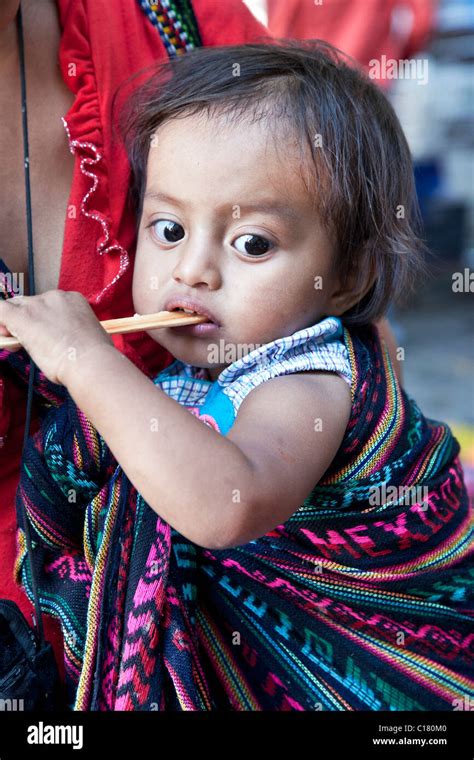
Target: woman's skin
point(51, 163)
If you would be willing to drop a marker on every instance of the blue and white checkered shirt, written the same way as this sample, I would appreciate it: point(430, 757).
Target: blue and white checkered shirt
point(217, 402)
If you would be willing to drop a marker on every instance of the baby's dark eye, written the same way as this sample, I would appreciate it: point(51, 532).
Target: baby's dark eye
point(253, 245)
point(168, 231)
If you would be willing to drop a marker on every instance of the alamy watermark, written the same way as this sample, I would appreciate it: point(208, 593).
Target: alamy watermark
point(12, 705)
point(384, 495)
point(463, 282)
point(12, 283)
point(227, 353)
point(42, 733)
point(390, 68)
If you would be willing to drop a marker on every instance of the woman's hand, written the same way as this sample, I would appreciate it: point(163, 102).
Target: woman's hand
point(56, 328)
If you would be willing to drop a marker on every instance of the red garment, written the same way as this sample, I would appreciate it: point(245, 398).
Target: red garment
point(102, 45)
point(364, 29)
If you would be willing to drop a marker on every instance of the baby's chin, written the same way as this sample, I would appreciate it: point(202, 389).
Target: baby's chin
point(188, 349)
point(202, 352)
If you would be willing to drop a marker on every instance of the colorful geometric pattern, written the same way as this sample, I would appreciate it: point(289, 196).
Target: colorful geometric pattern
point(176, 24)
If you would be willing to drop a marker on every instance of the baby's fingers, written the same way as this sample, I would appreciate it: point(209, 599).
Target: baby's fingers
point(5, 332)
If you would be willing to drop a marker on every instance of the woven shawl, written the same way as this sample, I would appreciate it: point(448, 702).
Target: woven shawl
point(348, 605)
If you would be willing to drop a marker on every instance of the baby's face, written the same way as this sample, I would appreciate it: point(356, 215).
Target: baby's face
point(228, 223)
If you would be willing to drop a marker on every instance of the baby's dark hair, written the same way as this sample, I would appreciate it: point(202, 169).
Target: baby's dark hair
point(360, 175)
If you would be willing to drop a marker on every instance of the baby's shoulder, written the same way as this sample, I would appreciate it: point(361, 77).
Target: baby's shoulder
point(291, 427)
point(323, 388)
point(322, 384)
point(301, 402)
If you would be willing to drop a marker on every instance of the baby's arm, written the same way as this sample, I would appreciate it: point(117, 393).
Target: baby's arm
point(217, 491)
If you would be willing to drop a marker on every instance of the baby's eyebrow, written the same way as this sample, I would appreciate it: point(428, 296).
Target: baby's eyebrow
point(270, 207)
point(265, 206)
point(155, 196)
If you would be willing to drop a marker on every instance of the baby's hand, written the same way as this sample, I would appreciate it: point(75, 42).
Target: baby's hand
point(56, 328)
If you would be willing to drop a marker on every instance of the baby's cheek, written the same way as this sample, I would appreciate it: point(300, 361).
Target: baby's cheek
point(143, 294)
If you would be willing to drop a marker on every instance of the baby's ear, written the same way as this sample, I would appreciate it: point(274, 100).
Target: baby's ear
point(353, 289)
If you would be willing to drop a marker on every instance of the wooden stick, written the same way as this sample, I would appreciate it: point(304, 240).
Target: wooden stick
point(132, 324)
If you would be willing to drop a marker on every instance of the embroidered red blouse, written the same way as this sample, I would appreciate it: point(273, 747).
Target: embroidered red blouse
point(102, 45)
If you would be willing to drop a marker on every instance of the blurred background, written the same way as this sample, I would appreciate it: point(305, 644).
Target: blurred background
point(421, 52)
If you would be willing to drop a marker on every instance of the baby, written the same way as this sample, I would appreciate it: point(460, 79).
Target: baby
point(254, 561)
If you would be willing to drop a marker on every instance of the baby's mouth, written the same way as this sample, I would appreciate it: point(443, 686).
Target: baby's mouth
point(193, 313)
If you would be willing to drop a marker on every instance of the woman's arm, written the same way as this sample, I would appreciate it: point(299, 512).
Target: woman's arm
point(217, 491)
